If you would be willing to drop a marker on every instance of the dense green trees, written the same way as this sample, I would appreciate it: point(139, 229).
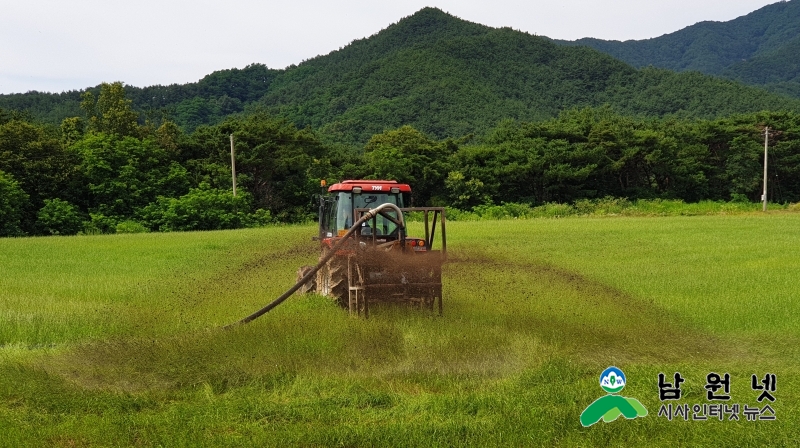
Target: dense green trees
point(110, 113)
point(408, 156)
point(123, 174)
point(13, 202)
point(105, 172)
point(203, 208)
point(278, 163)
point(596, 152)
point(33, 156)
point(61, 181)
point(58, 217)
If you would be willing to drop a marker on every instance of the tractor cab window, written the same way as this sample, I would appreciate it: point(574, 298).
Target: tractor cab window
point(339, 212)
point(342, 212)
point(383, 226)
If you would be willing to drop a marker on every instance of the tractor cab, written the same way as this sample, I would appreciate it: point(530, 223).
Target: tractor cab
point(339, 209)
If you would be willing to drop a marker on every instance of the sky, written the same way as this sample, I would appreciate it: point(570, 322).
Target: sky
point(61, 45)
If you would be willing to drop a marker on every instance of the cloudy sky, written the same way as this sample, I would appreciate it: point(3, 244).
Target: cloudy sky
point(58, 45)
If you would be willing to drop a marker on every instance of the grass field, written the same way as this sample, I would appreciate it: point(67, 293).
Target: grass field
point(116, 340)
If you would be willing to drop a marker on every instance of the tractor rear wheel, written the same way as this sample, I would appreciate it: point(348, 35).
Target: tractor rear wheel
point(332, 280)
point(310, 285)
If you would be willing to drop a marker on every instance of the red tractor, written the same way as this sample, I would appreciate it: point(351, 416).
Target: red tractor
point(375, 260)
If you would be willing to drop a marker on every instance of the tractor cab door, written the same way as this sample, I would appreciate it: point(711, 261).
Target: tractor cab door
point(336, 214)
point(327, 217)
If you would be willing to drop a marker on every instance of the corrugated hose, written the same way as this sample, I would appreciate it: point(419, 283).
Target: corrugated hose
point(310, 274)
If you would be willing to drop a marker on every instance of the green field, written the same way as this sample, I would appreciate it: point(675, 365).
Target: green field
point(115, 340)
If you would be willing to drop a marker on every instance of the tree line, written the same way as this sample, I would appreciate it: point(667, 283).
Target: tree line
point(109, 170)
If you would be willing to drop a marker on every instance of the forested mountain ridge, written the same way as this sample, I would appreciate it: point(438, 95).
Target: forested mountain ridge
point(445, 76)
point(204, 102)
point(777, 70)
point(760, 48)
point(449, 77)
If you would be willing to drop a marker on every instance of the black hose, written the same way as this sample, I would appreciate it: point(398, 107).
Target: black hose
point(367, 216)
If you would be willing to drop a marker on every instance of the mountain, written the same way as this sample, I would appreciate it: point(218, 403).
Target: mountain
point(207, 101)
point(777, 70)
point(760, 48)
point(443, 75)
point(450, 77)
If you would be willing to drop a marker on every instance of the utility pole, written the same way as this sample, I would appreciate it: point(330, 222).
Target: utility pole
point(233, 168)
point(766, 143)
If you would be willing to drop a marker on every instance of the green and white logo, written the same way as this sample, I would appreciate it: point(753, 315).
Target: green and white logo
point(610, 407)
point(612, 380)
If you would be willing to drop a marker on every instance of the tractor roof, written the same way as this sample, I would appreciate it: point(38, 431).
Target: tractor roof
point(370, 185)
